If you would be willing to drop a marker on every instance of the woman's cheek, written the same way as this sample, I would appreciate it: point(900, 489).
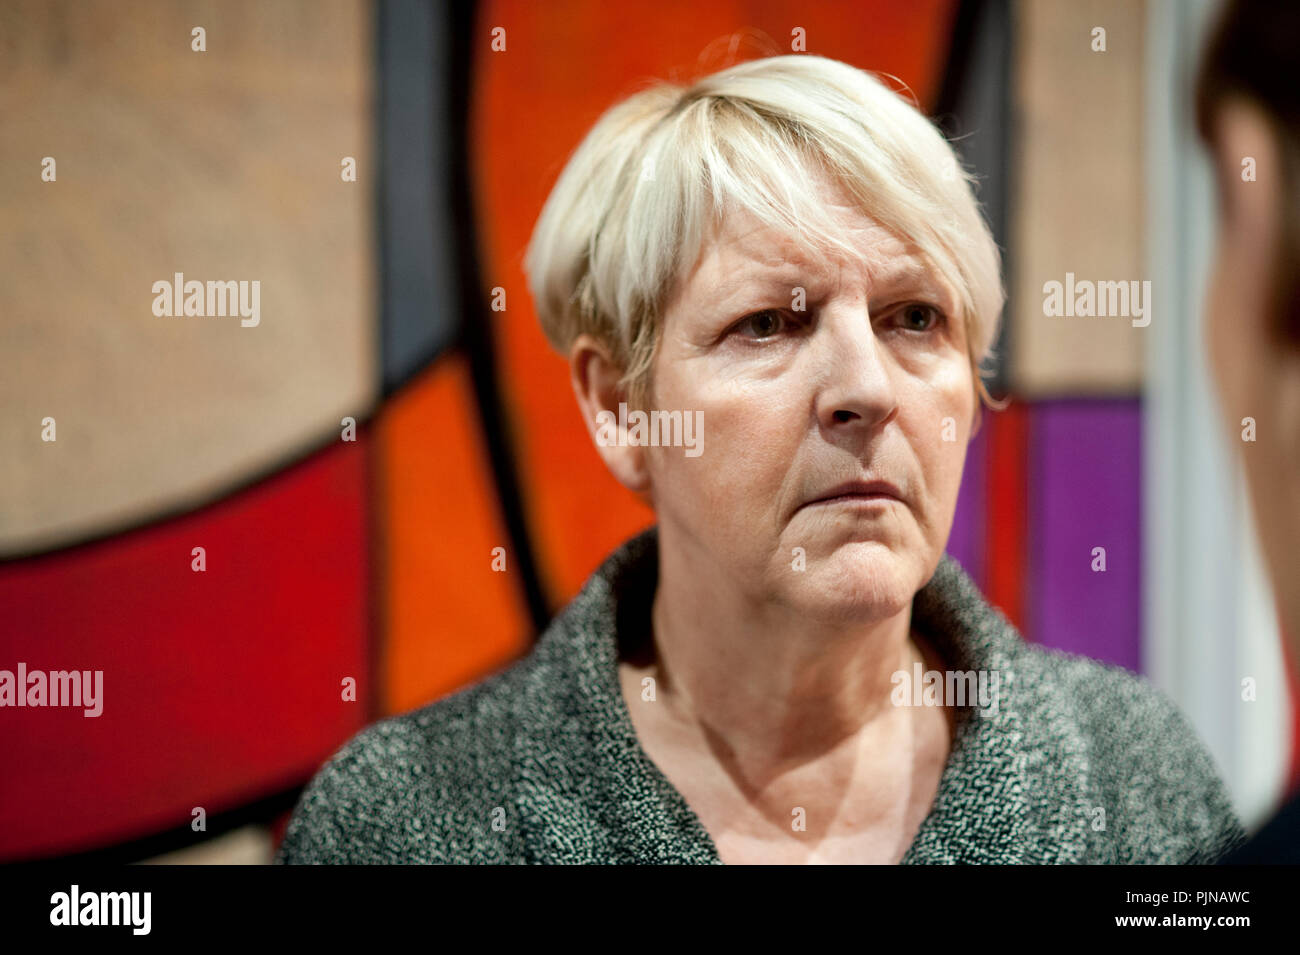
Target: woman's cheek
point(1229, 308)
point(944, 435)
point(945, 404)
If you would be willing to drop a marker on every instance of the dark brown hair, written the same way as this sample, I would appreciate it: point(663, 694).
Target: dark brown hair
point(1251, 55)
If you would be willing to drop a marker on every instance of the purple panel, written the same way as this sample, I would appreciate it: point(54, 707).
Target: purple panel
point(1085, 488)
point(966, 542)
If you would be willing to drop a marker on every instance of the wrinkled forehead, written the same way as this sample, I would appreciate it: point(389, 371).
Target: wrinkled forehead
point(738, 243)
point(741, 234)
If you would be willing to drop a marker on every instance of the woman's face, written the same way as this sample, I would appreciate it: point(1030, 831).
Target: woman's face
point(871, 382)
point(1256, 378)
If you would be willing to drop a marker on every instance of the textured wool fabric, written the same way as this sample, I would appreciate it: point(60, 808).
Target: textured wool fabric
point(540, 763)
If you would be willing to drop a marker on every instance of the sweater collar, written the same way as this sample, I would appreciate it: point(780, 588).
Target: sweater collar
point(592, 794)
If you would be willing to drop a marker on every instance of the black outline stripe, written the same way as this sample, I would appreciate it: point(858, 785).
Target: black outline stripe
point(973, 20)
point(476, 332)
point(263, 811)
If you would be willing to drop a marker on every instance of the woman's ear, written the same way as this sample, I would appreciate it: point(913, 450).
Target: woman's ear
point(594, 376)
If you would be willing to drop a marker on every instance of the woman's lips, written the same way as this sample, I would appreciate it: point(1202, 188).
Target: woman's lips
point(858, 494)
point(855, 499)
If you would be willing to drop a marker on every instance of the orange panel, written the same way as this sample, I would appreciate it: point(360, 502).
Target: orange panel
point(449, 617)
point(564, 64)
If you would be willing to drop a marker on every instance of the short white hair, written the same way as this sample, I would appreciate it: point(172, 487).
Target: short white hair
point(628, 215)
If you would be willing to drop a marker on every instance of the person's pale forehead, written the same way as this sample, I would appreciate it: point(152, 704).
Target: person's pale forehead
point(743, 249)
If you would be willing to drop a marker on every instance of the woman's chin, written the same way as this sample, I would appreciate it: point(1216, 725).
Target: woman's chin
point(864, 580)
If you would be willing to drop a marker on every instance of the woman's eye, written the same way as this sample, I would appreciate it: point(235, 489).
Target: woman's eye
point(919, 318)
point(762, 324)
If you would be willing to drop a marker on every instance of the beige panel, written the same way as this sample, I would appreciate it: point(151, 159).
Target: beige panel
point(1078, 203)
point(250, 845)
point(223, 165)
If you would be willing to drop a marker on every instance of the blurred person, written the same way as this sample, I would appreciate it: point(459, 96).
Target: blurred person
point(787, 257)
point(1248, 108)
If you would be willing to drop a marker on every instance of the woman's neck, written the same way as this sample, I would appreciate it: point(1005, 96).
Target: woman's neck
point(776, 687)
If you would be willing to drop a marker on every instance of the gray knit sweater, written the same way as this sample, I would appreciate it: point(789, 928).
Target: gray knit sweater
point(540, 763)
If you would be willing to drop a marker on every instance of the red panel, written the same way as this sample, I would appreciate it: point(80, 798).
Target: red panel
point(1007, 493)
point(449, 618)
point(218, 687)
point(564, 64)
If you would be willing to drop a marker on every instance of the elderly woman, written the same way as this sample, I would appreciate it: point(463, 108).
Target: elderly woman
point(787, 668)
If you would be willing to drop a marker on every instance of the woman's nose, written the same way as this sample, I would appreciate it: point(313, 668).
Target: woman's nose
point(856, 387)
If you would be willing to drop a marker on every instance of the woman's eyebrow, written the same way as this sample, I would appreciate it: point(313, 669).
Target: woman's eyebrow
point(914, 275)
point(903, 270)
point(752, 277)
